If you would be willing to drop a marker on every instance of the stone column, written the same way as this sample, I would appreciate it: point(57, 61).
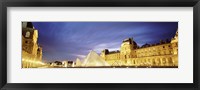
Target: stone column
point(167, 62)
point(161, 62)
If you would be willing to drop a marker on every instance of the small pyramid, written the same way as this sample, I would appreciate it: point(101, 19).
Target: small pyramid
point(93, 59)
point(78, 62)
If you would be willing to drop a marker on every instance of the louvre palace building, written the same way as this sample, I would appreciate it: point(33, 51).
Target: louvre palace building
point(162, 54)
point(31, 51)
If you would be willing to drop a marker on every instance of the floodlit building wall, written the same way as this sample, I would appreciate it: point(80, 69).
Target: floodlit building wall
point(164, 53)
point(31, 51)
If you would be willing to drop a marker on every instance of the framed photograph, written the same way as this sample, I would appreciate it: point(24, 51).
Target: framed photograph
point(87, 44)
point(85, 47)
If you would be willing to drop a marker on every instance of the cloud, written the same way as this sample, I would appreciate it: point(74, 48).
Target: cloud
point(69, 40)
point(110, 46)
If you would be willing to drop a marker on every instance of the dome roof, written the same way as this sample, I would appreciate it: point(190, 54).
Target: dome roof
point(130, 41)
point(27, 25)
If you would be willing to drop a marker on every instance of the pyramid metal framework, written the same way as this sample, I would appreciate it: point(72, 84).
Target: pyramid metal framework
point(78, 62)
point(93, 59)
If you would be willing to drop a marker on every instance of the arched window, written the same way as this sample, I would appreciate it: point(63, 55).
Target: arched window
point(170, 61)
point(27, 34)
point(158, 61)
point(164, 60)
point(153, 61)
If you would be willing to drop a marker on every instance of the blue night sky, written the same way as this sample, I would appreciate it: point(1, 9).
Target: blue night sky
point(71, 40)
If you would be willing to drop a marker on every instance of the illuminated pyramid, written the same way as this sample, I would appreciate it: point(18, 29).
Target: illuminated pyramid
point(93, 59)
point(78, 62)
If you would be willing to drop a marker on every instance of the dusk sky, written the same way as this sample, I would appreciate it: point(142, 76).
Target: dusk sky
point(71, 40)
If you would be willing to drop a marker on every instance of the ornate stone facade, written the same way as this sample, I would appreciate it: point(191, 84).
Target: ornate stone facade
point(160, 54)
point(31, 51)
